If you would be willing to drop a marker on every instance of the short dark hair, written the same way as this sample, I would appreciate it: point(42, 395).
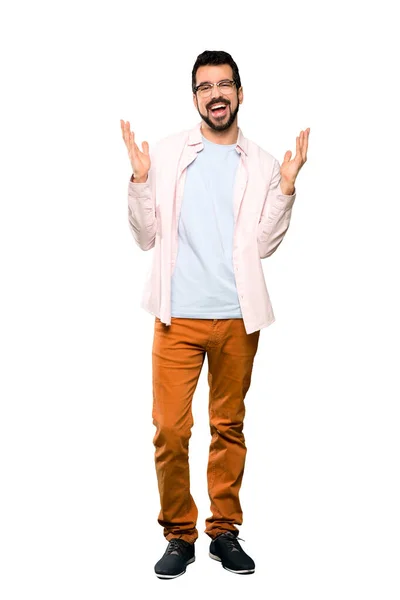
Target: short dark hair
point(215, 57)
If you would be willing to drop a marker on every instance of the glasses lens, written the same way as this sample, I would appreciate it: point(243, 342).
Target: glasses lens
point(204, 90)
point(226, 87)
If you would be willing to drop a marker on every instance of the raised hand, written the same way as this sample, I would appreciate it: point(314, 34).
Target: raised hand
point(291, 168)
point(140, 161)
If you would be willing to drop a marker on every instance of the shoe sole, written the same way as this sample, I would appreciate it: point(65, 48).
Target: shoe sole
point(244, 572)
point(179, 574)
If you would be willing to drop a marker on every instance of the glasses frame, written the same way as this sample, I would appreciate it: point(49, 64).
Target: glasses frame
point(213, 84)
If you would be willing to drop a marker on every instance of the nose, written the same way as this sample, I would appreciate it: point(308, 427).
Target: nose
point(215, 91)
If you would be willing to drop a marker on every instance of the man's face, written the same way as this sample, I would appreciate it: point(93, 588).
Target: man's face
point(219, 121)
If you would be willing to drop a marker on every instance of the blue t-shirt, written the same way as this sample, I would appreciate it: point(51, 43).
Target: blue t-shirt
point(203, 283)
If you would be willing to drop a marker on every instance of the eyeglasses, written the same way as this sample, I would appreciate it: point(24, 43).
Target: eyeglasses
point(225, 87)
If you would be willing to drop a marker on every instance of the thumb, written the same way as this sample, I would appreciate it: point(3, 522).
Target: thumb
point(145, 147)
point(287, 156)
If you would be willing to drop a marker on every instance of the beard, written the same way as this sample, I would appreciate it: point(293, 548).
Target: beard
point(222, 126)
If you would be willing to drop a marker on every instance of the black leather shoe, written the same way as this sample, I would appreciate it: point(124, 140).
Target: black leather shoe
point(177, 556)
point(226, 548)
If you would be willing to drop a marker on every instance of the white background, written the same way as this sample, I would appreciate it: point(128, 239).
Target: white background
point(320, 495)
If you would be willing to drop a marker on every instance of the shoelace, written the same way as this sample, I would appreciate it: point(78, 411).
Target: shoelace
point(232, 541)
point(175, 545)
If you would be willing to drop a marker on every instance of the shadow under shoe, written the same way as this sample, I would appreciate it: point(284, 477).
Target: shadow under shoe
point(226, 549)
point(175, 559)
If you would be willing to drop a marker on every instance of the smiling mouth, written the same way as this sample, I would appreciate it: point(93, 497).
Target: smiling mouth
point(219, 110)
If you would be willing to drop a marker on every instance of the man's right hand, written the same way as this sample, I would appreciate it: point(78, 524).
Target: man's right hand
point(140, 161)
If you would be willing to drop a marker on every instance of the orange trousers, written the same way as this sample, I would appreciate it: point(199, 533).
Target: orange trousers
point(178, 354)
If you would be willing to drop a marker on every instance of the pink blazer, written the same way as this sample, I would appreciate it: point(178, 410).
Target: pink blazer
point(261, 213)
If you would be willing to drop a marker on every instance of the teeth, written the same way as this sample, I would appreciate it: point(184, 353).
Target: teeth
point(218, 106)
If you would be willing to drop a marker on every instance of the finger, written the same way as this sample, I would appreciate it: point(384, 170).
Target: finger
point(132, 145)
point(305, 144)
point(126, 133)
point(298, 152)
point(145, 147)
point(127, 137)
point(302, 142)
point(133, 142)
point(123, 129)
point(287, 156)
point(301, 145)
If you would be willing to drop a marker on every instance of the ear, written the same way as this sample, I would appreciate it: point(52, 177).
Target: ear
point(240, 95)
point(195, 100)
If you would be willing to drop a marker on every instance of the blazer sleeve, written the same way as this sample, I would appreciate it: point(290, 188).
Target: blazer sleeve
point(142, 209)
point(275, 216)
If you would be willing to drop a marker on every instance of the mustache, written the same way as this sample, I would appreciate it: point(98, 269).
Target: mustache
point(221, 101)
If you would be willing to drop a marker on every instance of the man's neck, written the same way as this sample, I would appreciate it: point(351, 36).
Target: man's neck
point(227, 137)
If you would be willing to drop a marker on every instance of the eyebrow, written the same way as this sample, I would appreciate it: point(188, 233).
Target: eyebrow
point(210, 82)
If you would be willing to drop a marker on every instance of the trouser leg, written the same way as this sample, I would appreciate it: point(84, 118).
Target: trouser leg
point(230, 361)
point(177, 361)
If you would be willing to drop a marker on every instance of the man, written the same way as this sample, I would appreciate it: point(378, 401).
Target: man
point(213, 204)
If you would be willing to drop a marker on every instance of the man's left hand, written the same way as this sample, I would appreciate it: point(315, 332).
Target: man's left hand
point(290, 168)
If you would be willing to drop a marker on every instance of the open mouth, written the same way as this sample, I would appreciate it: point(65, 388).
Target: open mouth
point(219, 110)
